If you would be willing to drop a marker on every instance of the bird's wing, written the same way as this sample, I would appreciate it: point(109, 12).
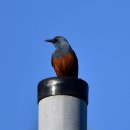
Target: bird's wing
point(75, 57)
point(52, 61)
point(73, 65)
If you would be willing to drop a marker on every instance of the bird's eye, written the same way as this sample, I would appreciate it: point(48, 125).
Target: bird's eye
point(55, 40)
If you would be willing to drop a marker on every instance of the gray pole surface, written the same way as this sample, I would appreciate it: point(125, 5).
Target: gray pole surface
point(62, 104)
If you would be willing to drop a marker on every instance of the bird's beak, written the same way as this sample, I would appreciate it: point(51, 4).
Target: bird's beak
point(50, 40)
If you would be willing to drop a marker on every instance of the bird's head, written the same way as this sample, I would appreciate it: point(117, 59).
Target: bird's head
point(59, 42)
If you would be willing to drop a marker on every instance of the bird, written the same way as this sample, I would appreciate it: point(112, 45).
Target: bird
point(63, 60)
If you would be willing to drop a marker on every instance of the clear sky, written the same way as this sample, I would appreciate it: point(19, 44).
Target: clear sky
point(98, 31)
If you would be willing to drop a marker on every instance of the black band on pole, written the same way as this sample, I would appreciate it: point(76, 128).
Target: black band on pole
point(63, 86)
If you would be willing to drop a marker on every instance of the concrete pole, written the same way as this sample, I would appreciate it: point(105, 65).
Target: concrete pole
point(62, 104)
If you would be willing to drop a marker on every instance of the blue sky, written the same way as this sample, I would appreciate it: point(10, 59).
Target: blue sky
point(98, 31)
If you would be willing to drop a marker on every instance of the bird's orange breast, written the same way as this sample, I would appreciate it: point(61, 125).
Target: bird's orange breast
point(64, 64)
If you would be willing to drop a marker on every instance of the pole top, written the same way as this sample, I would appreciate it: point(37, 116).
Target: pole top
point(63, 86)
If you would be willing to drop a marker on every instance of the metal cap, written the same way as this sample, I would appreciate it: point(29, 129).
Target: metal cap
point(63, 86)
